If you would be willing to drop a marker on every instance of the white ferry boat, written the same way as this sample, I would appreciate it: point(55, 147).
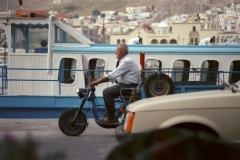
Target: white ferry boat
point(42, 65)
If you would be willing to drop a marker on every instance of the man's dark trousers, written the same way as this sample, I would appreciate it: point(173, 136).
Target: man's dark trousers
point(114, 92)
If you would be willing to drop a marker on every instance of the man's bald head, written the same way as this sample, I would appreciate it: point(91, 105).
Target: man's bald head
point(123, 46)
point(122, 50)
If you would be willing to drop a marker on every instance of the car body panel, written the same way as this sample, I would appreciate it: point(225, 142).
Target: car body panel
point(218, 110)
point(207, 99)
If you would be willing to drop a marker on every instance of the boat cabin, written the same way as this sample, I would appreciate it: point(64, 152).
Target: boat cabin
point(44, 58)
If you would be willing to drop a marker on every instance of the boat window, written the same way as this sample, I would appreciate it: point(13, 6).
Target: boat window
point(209, 70)
point(96, 67)
point(29, 38)
point(67, 71)
point(234, 67)
point(63, 37)
point(38, 40)
point(18, 41)
point(1, 36)
point(181, 70)
point(151, 66)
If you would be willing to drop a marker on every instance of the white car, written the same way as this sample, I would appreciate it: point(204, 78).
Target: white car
point(215, 112)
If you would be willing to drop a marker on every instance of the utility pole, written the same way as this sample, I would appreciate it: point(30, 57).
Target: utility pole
point(7, 8)
point(103, 29)
point(178, 39)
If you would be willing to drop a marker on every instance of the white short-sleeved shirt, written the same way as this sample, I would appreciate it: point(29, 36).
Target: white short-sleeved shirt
point(127, 72)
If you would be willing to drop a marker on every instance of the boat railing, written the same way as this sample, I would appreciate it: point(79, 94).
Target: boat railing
point(192, 77)
point(3, 78)
point(199, 76)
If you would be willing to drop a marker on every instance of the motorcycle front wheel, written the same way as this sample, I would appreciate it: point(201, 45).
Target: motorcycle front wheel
point(70, 127)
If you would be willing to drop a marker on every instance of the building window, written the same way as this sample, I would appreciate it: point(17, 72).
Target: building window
point(91, 33)
point(214, 26)
point(123, 41)
point(234, 77)
point(196, 41)
point(170, 29)
point(194, 28)
point(223, 39)
point(173, 41)
point(163, 41)
point(154, 41)
point(181, 70)
point(67, 72)
point(209, 70)
point(118, 41)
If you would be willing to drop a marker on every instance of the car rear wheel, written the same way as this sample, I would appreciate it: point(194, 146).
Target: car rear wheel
point(195, 127)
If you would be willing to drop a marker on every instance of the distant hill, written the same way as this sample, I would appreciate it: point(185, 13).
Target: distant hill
point(85, 7)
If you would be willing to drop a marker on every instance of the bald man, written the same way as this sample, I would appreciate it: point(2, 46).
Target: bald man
point(127, 75)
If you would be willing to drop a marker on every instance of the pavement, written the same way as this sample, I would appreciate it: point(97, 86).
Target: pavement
point(94, 143)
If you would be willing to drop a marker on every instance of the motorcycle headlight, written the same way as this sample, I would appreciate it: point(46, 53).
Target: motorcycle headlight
point(81, 92)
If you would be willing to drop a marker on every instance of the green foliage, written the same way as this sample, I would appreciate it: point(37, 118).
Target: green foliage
point(75, 16)
point(173, 143)
point(70, 8)
point(103, 15)
point(11, 149)
point(96, 12)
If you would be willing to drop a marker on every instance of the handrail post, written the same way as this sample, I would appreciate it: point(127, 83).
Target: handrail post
point(59, 83)
point(2, 81)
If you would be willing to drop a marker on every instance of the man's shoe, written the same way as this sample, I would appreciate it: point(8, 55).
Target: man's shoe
point(108, 119)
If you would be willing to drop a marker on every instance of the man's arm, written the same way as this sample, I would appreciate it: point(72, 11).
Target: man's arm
point(99, 81)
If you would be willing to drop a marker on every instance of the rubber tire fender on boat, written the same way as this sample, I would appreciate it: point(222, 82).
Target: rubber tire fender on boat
point(72, 129)
point(153, 88)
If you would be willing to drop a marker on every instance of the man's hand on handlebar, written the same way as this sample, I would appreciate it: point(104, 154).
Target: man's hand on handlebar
point(94, 83)
point(99, 81)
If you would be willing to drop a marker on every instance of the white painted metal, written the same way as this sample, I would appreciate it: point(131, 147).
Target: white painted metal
point(42, 61)
point(28, 87)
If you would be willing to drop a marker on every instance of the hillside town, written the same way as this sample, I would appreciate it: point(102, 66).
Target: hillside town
point(112, 27)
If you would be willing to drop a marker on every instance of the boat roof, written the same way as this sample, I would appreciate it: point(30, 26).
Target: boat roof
point(149, 49)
